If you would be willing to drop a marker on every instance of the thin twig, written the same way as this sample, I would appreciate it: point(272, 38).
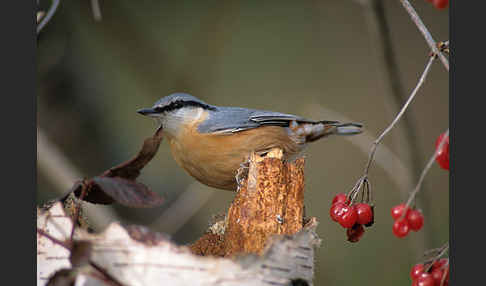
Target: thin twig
point(428, 37)
point(78, 209)
point(444, 275)
point(381, 41)
point(68, 246)
point(426, 169)
point(443, 250)
point(397, 118)
point(389, 161)
point(48, 16)
point(65, 244)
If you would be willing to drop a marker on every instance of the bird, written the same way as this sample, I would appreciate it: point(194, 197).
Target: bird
point(212, 142)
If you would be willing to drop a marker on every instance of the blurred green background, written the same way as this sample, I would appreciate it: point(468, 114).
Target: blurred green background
point(316, 59)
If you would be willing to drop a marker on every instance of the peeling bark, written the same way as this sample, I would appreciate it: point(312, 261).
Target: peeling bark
point(270, 201)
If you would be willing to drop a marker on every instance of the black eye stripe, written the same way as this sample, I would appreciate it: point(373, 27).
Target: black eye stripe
point(182, 103)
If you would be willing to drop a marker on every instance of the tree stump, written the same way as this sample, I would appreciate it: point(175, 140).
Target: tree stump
point(270, 201)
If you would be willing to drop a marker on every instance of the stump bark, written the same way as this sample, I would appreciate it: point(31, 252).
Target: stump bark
point(270, 201)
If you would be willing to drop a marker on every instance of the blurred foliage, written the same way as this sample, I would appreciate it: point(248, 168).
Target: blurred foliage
point(277, 55)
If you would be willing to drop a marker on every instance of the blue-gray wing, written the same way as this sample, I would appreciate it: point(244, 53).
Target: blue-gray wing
point(227, 120)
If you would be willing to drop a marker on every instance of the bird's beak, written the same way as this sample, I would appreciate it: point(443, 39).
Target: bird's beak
point(147, 111)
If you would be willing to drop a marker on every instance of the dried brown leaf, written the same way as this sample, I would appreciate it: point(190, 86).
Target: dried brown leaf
point(118, 184)
point(127, 192)
point(131, 169)
point(93, 194)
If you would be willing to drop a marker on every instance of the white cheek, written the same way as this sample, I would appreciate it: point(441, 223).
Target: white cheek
point(175, 121)
point(199, 112)
point(170, 124)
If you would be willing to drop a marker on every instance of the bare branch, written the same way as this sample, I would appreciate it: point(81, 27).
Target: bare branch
point(393, 88)
point(441, 251)
point(426, 169)
point(48, 16)
point(397, 118)
point(390, 162)
point(65, 244)
point(428, 37)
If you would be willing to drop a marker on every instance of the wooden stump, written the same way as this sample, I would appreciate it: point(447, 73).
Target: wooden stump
point(270, 201)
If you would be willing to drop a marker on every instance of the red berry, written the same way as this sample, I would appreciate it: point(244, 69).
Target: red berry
point(439, 263)
point(417, 269)
point(336, 210)
point(355, 233)
point(438, 274)
point(340, 198)
point(443, 154)
point(415, 220)
point(425, 279)
point(372, 217)
point(440, 4)
point(349, 216)
point(365, 213)
point(397, 211)
point(401, 228)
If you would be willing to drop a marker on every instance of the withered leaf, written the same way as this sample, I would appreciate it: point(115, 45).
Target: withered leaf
point(93, 193)
point(118, 184)
point(127, 192)
point(131, 169)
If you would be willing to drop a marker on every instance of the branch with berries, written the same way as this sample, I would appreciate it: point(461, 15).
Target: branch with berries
point(352, 211)
point(434, 271)
point(346, 212)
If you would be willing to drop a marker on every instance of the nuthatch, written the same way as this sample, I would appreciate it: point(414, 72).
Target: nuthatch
point(212, 142)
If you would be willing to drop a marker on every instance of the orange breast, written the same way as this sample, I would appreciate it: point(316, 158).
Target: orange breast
point(215, 159)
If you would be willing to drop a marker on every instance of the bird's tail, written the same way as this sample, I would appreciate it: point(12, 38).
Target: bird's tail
point(325, 128)
point(348, 128)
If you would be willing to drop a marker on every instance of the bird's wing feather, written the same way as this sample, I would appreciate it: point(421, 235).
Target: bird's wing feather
point(228, 120)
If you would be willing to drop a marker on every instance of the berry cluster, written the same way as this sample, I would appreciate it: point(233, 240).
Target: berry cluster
point(438, 272)
point(351, 216)
point(412, 220)
point(443, 153)
point(439, 4)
